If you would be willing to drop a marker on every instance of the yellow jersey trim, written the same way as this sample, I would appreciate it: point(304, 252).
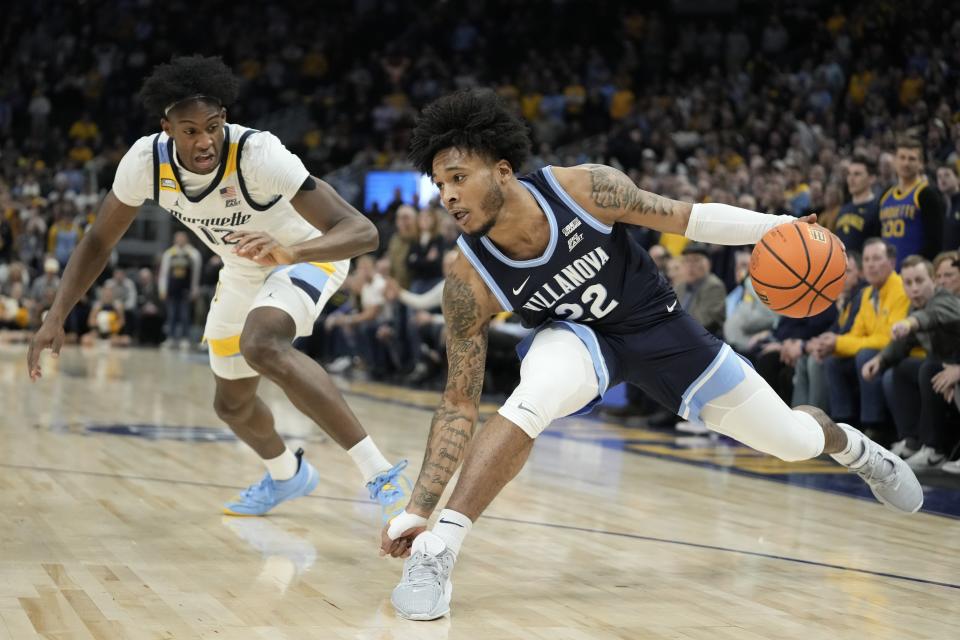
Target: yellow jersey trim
point(225, 347)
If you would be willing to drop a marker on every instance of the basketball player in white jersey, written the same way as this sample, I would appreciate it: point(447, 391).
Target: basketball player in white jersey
point(285, 238)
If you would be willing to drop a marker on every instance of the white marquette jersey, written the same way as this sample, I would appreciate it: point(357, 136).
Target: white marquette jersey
point(249, 191)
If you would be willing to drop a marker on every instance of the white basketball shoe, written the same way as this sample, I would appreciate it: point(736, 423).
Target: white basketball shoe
point(425, 590)
point(890, 479)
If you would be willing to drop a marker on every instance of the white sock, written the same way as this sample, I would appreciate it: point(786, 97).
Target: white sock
point(452, 527)
point(368, 459)
point(855, 446)
point(284, 466)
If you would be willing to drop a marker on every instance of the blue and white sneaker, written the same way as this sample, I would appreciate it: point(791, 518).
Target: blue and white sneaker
point(259, 498)
point(391, 490)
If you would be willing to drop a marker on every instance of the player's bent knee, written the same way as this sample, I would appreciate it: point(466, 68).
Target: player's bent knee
point(557, 378)
point(232, 410)
point(265, 352)
point(532, 418)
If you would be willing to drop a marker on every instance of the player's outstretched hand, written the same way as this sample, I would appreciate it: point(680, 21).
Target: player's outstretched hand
point(810, 219)
point(49, 336)
point(397, 536)
point(260, 247)
point(399, 548)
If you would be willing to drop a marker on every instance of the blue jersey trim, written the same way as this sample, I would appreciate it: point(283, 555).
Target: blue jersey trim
point(535, 262)
point(310, 278)
point(487, 278)
point(573, 204)
point(163, 152)
point(723, 374)
point(589, 339)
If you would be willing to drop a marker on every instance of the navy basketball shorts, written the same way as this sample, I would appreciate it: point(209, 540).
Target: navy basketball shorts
point(677, 362)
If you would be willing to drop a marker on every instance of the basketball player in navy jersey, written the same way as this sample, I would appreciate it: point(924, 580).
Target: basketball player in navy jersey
point(553, 247)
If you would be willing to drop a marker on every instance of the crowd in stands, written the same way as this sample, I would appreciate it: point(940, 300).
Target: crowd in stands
point(850, 111)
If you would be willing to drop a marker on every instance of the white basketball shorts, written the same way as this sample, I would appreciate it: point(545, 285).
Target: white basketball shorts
point(301, 290)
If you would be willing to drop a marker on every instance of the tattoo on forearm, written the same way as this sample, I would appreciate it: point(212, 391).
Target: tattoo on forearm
point(424, 498)
point(459, 305)
point(612, 189)
point(450, 433)
point(454, 420)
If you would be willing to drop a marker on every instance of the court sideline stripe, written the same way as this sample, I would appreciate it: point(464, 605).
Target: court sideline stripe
point(710, 547)
point(703, 464)
point(549, 525)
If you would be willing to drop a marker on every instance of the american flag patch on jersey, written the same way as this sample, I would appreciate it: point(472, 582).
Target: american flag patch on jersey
point(228, 192)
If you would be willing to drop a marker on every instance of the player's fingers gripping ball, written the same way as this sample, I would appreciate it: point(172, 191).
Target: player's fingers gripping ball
point(798, 269)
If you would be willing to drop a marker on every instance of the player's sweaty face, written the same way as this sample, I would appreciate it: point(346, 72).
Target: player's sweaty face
point(468, 190)
point(197, 130)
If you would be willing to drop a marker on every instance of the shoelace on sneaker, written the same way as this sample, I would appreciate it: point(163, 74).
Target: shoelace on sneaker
point(424, 570)
point(389, 493)
point(383, 489)
point(873, 469)
point(265, 486)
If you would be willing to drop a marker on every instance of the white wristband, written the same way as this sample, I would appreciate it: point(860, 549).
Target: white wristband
point(723, 224)
point(403, 522)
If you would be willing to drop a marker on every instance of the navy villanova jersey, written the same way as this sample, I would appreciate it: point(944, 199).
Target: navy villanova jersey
point(591, 273)
point(596, 281)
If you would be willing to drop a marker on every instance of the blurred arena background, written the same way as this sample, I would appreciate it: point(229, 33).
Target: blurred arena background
point(798, 107)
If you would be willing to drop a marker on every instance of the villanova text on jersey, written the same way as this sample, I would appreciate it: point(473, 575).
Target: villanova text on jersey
point(590, 272)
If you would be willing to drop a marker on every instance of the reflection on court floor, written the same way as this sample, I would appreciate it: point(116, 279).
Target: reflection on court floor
point(114, 466)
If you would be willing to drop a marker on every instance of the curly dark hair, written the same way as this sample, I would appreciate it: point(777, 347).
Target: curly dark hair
point(186, 77)
point(474, 120)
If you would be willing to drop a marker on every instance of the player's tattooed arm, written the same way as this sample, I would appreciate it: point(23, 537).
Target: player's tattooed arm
point(611, 196)
point(466, 311)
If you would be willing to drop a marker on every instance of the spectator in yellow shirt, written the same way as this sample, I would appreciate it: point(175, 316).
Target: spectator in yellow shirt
point(84, 129)
point(883, 303)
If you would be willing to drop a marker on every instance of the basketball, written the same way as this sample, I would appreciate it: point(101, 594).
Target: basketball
point(798, 269)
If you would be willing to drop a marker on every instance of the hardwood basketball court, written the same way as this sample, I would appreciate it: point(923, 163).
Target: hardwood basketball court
point(113, 468)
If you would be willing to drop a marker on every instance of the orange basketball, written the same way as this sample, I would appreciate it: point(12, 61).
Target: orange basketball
point(798, 269)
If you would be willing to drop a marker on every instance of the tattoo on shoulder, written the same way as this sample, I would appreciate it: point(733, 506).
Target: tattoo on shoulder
point(612, 189)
